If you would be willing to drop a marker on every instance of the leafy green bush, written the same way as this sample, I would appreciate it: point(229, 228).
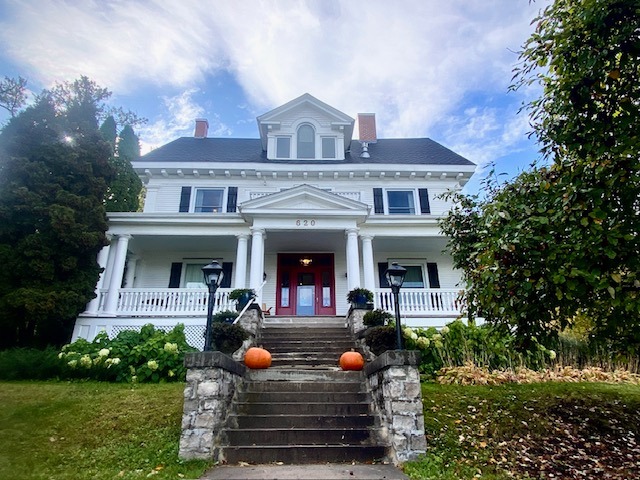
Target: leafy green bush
point(225, 316)
point(227, 338)
point(380, 339)
point(147, 356)
point(376, 318)
point(30, 364)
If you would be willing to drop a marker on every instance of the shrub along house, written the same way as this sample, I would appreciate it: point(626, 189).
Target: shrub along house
point(302, 215)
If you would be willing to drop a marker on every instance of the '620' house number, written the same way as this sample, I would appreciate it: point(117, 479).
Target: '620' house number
point(305, 223)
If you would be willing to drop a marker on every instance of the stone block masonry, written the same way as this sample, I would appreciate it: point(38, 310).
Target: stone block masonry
point(394, 382)
point(212, 379)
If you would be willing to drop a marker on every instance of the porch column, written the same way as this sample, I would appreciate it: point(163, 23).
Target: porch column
point(257, 260)
point(132, 264)
point(241, 261)
point(111, 303)
point(103, 256)
point(353, 261)
point(367, 262)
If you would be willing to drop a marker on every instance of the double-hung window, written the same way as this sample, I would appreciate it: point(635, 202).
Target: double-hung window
point(283, 147)
point(306, 142)
point(401, 202)
point(209, 200)
point(328, 147)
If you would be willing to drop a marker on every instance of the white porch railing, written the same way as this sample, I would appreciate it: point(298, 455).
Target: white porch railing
point(168, 302)
point(414, 302)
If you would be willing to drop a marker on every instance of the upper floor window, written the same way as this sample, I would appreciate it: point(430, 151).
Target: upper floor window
point(283, 147)
point(401, 202)
point(209, 200)
point(328, 147)
point(306, 142)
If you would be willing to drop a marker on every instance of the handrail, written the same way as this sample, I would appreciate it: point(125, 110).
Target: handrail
point(246, 307)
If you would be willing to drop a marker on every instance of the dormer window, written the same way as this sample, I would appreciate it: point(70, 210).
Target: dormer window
point(283, 147)
point(328, 147)
point(306, 142)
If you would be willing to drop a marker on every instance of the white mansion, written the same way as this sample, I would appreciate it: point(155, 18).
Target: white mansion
point(302, 215)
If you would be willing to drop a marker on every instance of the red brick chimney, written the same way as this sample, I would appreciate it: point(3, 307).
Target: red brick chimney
point(202, 128)
point(367, 127)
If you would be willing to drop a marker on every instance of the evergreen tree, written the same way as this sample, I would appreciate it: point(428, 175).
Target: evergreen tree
point(53, 175)
point(109, 131)
point(124, 191)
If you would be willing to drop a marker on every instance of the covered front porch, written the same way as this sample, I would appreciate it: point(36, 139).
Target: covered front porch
point(167, 307)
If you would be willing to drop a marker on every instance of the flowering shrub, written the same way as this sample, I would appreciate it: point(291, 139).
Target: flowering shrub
point(147, 356)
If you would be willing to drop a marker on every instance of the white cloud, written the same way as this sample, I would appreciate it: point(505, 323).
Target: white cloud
point(412, 62)
point(178, 121)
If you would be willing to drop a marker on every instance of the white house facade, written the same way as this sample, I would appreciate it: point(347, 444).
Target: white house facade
point(302, 215)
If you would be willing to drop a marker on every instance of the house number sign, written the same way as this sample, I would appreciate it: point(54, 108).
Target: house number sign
point(305, 223)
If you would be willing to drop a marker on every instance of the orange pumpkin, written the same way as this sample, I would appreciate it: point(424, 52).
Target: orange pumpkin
point(351, 361)
point(257, 357)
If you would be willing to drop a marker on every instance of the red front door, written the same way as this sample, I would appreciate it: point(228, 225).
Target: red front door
point(306, 284)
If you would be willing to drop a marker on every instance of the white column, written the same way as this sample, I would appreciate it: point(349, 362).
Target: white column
point(111, 303)
point(353, 260)
point(132, 264)
point(257, 259)
point(241, 261)
point(367, 262)
point(103, 256)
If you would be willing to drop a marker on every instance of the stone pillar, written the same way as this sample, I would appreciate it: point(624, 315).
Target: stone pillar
point(93, 305)
point(367, 262)
point(353, 260)
point(212, 379)
point(241, 261)
point(257, 260)
point(394, 381)
point(111, 303)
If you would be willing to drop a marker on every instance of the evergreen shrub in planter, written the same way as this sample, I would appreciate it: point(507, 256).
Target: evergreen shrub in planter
point(227, 338)
point(242, 296)
point(360, 297)
point(225, 316)
point(376, 318)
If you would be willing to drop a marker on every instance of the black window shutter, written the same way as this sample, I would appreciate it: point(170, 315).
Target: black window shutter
point(432, 271)
point(185, 199)
point(378, 206)
point(232, 200)
point(227, 269)
point(382, 267)
point(176, 273)
point(423, 194)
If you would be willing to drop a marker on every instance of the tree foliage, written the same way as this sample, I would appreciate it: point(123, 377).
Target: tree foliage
point(13, 94)
point(563, 239)
point(53, 175)
point(123, 193)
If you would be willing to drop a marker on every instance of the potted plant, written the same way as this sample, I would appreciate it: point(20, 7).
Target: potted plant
point(376, 318)
point(225, 316)
point(242, 296)
point(360, 297)
point(227, 338)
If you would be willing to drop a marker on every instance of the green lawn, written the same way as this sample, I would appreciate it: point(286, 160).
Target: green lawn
point(545, 430)
point(90, 430)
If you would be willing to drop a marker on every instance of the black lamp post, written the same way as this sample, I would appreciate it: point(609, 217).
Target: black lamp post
point(213, 276)
point(395, 278)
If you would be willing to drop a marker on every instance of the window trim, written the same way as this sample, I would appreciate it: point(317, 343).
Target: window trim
point(416, 206)
point(223, 200)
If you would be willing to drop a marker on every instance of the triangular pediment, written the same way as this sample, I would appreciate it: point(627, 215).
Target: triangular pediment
point(305, 105)
point(303, 199)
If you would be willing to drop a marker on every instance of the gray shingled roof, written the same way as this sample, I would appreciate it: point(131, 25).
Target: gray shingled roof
point(411, 151)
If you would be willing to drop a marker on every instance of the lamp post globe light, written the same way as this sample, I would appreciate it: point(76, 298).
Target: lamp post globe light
point(395, 278)
point(213, 276)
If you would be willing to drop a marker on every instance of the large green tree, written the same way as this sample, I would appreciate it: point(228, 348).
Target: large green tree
point(123, 193)
point(54, 172)
point(563, 239)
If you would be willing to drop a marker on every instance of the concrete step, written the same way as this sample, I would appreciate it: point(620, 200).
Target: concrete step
point(309, 408)
point(304, 375)
point(275, 321)
point(304, 397)
point(300, 421)
point(293, 386)
point(304, 454)
point(298, 436)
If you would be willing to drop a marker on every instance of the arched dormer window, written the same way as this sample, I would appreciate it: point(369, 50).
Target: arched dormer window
point(306, 141)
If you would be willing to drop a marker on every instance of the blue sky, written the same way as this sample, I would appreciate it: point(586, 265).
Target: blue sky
point(426, 68)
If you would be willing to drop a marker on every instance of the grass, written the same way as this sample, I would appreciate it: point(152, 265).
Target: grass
point(545, 430)
point(81, 430)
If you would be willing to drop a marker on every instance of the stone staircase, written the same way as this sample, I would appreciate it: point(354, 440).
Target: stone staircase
point(303, 409)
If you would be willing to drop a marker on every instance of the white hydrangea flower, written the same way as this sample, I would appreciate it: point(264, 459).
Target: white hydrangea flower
point(552, 354)
point(104, 352)
point(423, 342)
point(72, 363)
point(85, 361)
point(153, 365)
point(444, 330)
point(171, 347)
